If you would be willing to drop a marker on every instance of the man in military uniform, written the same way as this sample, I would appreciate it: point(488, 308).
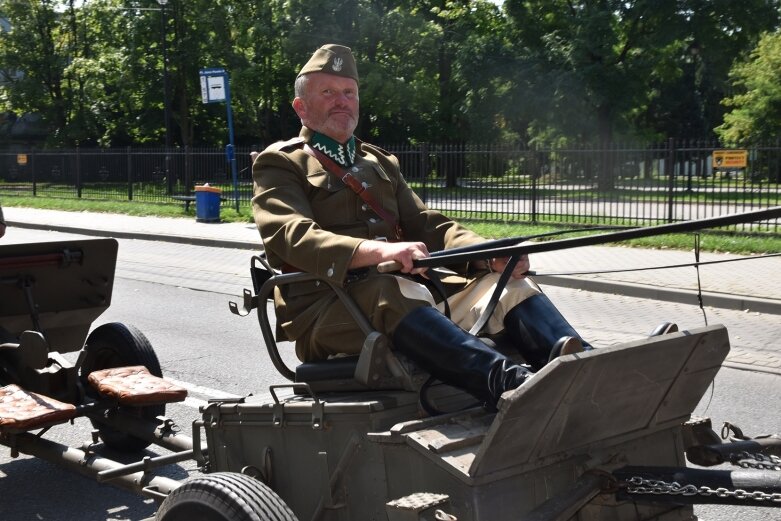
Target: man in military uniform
point(330, 204)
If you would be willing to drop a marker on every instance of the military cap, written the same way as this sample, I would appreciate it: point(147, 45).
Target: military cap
point(332, 59)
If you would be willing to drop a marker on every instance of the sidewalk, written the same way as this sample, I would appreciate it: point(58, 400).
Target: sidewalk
point(753, 284)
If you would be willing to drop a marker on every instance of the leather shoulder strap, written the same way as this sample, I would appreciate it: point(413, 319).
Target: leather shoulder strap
point(357, 187)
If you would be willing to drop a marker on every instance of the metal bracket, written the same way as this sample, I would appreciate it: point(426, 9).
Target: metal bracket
point(249, 303)
point(88, 448)
point(318, 414)
point(166, 426)
point(278, 415)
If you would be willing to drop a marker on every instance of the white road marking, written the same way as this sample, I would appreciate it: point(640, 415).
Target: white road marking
point(200, 391)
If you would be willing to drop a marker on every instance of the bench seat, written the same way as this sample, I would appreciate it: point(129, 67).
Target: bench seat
point(22, 410)
point(186, 199)
point(135, 386)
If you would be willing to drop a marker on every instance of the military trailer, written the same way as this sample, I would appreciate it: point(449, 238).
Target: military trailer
point(365, 437)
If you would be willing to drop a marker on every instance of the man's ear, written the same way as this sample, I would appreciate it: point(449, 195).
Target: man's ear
point(300, 107)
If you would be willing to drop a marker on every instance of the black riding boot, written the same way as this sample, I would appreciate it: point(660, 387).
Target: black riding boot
point(455, 357)
point(541, 332)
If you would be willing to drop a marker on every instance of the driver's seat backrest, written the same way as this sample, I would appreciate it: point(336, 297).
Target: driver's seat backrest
point(376, 367)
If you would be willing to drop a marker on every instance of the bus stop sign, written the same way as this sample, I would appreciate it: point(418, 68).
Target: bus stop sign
point(213, 85)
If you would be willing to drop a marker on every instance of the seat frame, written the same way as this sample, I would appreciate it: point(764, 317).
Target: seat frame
point(376, 367)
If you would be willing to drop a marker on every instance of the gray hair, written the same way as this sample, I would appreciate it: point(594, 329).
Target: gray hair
point(299, 87)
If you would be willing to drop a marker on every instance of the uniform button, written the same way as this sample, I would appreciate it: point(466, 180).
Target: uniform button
point(355, 169)
point(330, 272)
point(372, 220)
point(364, 207)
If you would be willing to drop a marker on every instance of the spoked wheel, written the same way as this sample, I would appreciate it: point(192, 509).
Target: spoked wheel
point(224, 496)
point(119, 345)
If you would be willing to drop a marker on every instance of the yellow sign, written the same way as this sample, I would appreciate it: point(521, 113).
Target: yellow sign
point(21, 159)
point(730, 158)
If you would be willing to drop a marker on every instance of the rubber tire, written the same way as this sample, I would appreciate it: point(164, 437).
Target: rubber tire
point(224, 496)
point(118, 345)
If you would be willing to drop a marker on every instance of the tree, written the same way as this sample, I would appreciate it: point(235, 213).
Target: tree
point(687, 99)
point(33, 60)
point(755, 113)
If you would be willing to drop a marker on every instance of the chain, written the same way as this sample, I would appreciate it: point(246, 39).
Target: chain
point(640, 485)
point(756, 461)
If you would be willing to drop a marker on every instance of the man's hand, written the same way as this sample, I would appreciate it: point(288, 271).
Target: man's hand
point(520, 270)
point(372, 253)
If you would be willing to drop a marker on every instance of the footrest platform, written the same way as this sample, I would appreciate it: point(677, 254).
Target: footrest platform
point(135, 385)
point(24, 410)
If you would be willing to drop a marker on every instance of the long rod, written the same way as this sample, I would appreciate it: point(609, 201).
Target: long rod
point(90, 464)
point(591, 240)
point(512, 241)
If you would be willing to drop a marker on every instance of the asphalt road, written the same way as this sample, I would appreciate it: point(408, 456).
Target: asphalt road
point(178, 296)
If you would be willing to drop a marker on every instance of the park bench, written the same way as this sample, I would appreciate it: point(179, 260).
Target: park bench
point(186, 199)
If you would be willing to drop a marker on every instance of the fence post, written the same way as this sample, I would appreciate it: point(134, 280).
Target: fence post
point(188, 170)
point(669, 167)
point(78, 172)
point(776, 163)
point(32, 172)
point(423, 151)
point(535, 175)
point(129, 174)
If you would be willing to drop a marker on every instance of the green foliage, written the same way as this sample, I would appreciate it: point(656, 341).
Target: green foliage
point(625, 69)
point(449, 71)
point(756, 107)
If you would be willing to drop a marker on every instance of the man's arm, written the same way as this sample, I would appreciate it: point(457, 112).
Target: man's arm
point(372, 253)
point(287, 223)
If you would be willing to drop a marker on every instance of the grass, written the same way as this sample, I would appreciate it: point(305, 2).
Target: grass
point(123, 207)
point(713, 241)
point(738, 243)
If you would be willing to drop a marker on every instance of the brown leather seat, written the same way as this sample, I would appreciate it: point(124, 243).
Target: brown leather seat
point(24, 410)
point(135, 385)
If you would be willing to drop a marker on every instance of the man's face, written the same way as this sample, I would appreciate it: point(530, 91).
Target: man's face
point(329, 105)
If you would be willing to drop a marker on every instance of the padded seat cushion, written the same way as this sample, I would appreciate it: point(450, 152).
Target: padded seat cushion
point(135, 385)
point(338, 368)
point(25, 410)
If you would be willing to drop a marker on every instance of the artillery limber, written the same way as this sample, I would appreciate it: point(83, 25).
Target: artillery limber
point(603, 434)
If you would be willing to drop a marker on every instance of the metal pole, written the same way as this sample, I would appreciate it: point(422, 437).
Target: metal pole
point(591, 240)
point(89, 464)
point(166, 97)
point(232, 157)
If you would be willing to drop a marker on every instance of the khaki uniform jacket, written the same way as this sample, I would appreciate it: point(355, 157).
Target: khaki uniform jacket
point(309, 219)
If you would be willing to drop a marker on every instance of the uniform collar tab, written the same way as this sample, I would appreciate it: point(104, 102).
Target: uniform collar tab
point(343, 154)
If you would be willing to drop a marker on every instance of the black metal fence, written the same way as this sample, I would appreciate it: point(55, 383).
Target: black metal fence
point(621, 184)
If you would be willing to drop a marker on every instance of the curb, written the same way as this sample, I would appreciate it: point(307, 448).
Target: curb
point(144, 236)
point(753, 368)
point(629, 289)
point(679, 296)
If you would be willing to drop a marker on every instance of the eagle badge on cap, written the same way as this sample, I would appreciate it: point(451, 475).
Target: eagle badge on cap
point(332, 59)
